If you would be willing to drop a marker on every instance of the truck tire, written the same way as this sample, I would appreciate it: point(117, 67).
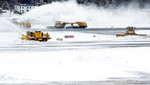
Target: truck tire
point(44, 40)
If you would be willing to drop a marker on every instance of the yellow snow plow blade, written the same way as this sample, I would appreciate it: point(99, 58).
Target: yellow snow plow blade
point(122, 35)
point(24, 37)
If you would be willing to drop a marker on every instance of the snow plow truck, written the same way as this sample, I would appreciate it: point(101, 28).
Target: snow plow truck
point(36, 36)
point(26, 24)
point(60, 24)
point(130, 31)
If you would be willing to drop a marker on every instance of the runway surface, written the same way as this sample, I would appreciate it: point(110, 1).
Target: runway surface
point(111, 41)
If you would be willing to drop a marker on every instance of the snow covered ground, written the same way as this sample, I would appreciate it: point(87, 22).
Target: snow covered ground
point(89, 56)
point(76, 65)
point(82, 58)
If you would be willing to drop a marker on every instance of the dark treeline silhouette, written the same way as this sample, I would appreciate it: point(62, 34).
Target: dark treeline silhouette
point(141, 3)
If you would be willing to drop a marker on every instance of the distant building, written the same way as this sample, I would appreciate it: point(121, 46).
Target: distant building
point(23, 8)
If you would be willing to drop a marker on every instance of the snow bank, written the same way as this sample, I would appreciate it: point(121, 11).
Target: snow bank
point(6, 25)
point(95, 17)
point(8, 31)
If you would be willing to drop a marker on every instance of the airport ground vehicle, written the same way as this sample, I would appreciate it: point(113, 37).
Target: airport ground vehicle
point(130, 31)
point(37, 36)
point(60, 24)
point(26, 24)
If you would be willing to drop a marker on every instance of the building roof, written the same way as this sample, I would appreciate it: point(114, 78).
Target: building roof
point(24, 5)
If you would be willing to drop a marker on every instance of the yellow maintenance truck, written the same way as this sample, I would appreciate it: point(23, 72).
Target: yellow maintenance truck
point(25, 24)
point(130, 31)
point(60, 24)
point(37, 36)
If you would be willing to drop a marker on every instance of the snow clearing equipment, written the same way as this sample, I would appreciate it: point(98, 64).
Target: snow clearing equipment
point(22, 24)
point(37, 36)
point(60, 24)
point(130, 31)
point(26, 24)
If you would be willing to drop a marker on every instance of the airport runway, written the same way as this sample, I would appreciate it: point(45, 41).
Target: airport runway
point(75, 45)
point(104, 31)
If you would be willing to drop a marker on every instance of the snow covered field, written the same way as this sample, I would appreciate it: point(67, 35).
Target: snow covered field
point(92, 55)
point(76, 65)
point(82, 58)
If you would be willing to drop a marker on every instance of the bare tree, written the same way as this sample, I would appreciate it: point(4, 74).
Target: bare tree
point(1, 11)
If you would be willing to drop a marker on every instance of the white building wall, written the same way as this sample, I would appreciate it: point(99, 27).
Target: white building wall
point(23, 8)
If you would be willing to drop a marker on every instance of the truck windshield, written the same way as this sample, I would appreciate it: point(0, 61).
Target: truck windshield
point(130, 29)
point(57, 22)
point(28, 33)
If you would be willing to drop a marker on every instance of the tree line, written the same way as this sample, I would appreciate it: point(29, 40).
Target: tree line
point(105, 3)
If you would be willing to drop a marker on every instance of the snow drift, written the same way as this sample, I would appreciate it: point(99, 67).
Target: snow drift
point(7, 26)
point(8, 31)
point(46, 15)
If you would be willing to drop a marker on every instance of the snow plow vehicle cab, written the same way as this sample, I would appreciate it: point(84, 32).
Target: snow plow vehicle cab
point(130, 31)
point(60, 24)
point(37, 36)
